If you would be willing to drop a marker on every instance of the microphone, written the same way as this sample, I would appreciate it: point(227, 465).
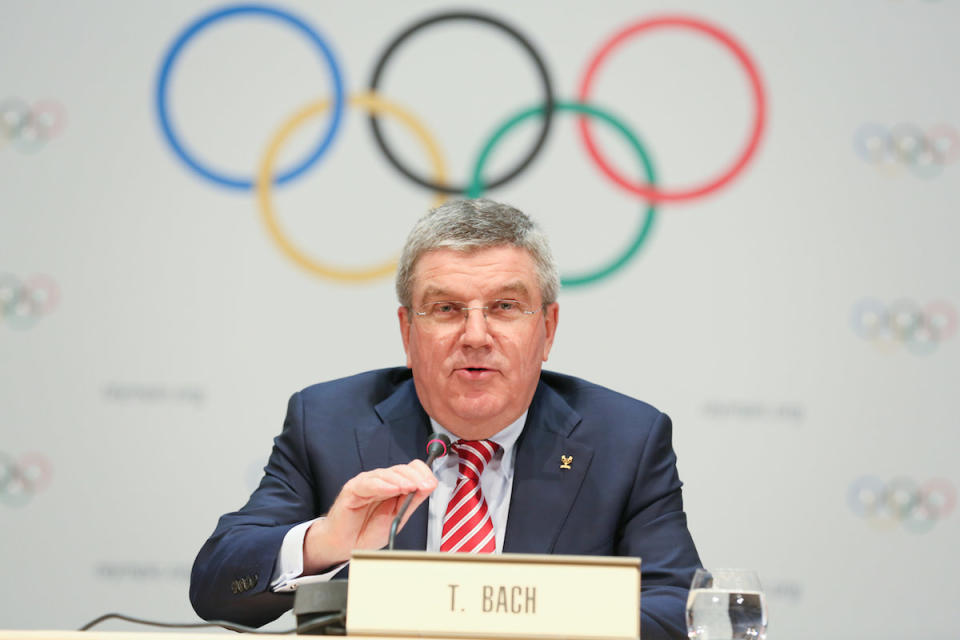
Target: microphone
point(437, 446)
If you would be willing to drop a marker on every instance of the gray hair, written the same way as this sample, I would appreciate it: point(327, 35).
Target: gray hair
point(470, 225)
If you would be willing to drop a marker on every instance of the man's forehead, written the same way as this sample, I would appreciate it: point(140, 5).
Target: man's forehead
point(505, 269)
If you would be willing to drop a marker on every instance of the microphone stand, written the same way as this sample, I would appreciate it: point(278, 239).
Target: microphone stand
point(436, 448)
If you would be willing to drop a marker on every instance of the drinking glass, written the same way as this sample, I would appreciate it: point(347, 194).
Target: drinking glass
point(726, 604)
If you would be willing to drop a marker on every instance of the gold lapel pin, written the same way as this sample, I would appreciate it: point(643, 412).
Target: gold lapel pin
point(565, 461)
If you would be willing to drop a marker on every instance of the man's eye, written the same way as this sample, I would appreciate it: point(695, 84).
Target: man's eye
point(507, 305)
point(444, 308)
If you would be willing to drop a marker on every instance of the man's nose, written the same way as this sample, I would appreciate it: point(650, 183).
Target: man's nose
point(475, 329)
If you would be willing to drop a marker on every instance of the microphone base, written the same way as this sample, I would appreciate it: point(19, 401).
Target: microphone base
point(314, 602)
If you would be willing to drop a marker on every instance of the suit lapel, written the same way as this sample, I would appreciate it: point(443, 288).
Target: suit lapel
point(543, 492)
point(397, 438)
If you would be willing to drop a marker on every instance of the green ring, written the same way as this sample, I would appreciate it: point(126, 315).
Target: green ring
point(476, 183)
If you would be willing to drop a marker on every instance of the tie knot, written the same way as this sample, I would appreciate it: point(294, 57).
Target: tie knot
point(476, 452)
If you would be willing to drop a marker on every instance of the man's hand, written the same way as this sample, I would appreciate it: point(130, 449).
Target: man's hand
point(361, 515)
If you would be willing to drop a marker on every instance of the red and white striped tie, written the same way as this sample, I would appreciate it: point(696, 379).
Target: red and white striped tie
point(467, 526)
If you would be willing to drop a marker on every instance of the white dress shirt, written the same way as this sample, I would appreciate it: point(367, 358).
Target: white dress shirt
point(496, 483)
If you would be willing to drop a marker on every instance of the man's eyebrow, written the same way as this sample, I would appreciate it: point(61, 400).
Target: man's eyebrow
point(518, 289)
point(434, 291)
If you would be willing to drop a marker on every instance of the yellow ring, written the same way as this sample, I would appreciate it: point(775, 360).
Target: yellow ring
point(373, 104)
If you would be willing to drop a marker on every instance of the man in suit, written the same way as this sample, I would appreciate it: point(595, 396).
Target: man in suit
point(544, 463)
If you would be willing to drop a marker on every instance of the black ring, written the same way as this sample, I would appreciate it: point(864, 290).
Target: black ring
point(494, 22)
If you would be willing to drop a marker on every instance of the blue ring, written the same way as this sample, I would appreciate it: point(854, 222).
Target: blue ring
point(207, 20)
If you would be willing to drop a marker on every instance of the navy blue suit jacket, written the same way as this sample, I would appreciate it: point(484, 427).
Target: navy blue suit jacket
point(621, 495)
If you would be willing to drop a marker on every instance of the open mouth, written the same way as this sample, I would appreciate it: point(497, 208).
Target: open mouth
point(475, 372)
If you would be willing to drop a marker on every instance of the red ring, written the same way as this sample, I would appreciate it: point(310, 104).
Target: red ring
point(945, 131)
point(442, 444)
point(643, 189)
point(40, 281)
point(56, 110)
point(945, 311)
point(947, 490)
point(37, 460)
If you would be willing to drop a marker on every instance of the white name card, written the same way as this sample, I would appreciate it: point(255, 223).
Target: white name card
point(412, 593)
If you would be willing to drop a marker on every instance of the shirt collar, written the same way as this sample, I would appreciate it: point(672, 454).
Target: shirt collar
point(506, 437)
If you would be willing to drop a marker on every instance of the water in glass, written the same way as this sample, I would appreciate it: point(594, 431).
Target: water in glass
point(726, 604)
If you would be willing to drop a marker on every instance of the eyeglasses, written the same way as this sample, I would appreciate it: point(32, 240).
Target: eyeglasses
point(447, 313)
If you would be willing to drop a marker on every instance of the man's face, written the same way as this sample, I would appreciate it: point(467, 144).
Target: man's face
point(476, 376)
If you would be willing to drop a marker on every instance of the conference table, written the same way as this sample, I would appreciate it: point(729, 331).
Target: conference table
point(53, 634)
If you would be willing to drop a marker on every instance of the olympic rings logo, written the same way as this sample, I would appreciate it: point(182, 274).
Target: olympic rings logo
point(28, 128)
point(267, 176)
point(921, 329)
point(23, 478)
point(23, 303)
point(924, 152)
point(917, 507)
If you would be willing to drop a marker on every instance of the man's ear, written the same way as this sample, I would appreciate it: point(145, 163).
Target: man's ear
point(551, 315)
point(403, 315)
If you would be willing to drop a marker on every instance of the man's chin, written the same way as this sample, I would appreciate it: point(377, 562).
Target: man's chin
point(478, 418)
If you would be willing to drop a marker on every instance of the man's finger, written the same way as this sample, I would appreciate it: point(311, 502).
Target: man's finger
point(379, 484)
point(417, 473)
point(428, 480)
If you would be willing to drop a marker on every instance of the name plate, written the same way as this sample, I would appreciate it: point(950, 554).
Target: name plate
point(414, 593)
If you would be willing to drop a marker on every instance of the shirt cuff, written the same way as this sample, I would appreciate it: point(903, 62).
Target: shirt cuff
point(288, 569)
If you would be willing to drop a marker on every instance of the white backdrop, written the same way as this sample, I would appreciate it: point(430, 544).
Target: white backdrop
point(798, 323)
